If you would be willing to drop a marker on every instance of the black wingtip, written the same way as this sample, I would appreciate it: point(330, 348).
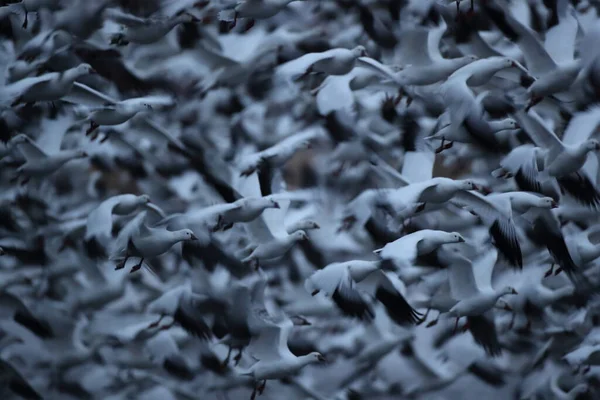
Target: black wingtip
point(353, 305)
point(397, 307)
point(484, 333)
point(580, 188)
point(507, 243)
point(192, 324)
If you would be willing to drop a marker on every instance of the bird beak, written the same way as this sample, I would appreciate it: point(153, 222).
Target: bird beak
point(315, 292)
point(507, 307)
point(321, 358)
point(317, 226)
point(514, 292)
point(485, 190)
point(85, 154)
point(554, 204)
point(93, 71)
point(194, 237)
point(461, 240)
point(276, 205)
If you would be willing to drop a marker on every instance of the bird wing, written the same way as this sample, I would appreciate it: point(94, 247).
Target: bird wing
point(483, 267)
point(54, 130)
point(583, 126)
point(434, 40)
point(124, 18)
point(412, 45)
point(537, 130)
point(299, 65)
point(418, 165)
point(462, 279)
point(29, 148)
point(489, 211)
point(132, 229)
point(99, 221)
point(327, 280)
point(377, 67)
point(271, 343)
point(335, 93)
point(561, 38)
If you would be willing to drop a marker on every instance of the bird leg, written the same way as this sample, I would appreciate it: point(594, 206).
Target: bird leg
point(261, 388)
point(444, 146)
point(155, 324)
point(558, 271)
point(249, 25)
point(253, 395)
point(528, 325)
point(121, 265)
point(137, 266)
point(534, 100)
point(512, 321)
point(26, 22)
point(550, 271)
point(92, 128)
point(255, 264)
point(455, 325)
point(235, 17)
point(226, 361)
point(238, 357)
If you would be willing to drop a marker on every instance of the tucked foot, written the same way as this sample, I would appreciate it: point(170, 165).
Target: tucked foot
point(137, 266)
point(432, 323)
point(261, 388)
point(121, 265)
point(92, 128)
point(549, 272)
point(558, 271)
point(238, 358)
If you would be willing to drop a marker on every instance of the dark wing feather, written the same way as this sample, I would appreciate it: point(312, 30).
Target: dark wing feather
point(506, 240)
point(580, 188)
point(350, 301)
point(397, 307)
point(483, 329)
point(191, 320)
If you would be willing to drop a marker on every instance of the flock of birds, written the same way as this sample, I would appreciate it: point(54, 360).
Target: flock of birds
point(345, 199)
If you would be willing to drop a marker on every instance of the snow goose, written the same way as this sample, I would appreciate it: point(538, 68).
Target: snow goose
point(99, 223)
point(138, 240)
point(270, 239)
point(339, 281)
point(496, 214)
point(274, 358)
point(475, 297)
point(422, 67)
point(404, 251)
point(41, 163)
point(254, 9)
point(551, 65)
point(560, 160)
point(48, 87)
point(457, 94)
point(120, 112)
point(143, 30)
point(337, 61)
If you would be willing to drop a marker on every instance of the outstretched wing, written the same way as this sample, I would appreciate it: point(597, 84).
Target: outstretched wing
point(99, 222)
point(132, 229)
point(29, 148)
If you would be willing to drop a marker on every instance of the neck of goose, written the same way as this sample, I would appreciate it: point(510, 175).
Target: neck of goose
point(71, 74)
point(583, 149)
point(176, 236)
point(501, 125)
point(67, 155)
point(303, 361)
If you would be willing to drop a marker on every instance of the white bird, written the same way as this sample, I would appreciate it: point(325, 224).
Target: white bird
point(475, 297)
point(99, 222)
point(275, 360)
point(41, 163)
point(138, 240)
point(144, 30)
point(337, 61)
point(48, 87)
point(338, 281)
point(404, 251)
